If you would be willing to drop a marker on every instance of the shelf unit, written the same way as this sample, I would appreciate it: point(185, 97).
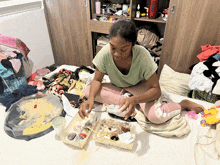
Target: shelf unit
point(146, 19)
point(102, 27)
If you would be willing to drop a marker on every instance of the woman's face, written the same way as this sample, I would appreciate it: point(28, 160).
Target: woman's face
point(120, 48)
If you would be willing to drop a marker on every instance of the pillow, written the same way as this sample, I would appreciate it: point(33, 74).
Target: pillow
point(174, 82)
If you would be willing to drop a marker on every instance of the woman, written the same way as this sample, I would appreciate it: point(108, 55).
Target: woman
point(132, 70)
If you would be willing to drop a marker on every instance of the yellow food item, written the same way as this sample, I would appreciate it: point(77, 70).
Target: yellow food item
point(36, 107)
point(37, 126)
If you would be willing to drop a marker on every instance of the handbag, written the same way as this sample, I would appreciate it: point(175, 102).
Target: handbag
point(13, 82)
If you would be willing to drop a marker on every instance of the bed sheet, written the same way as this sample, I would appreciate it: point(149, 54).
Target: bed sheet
point(148, 149)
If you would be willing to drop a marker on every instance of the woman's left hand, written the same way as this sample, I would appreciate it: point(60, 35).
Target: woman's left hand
point(128, 105)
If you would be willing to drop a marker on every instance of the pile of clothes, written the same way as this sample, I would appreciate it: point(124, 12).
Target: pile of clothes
point(13, 54)
point(205, 75)
point(68, 81)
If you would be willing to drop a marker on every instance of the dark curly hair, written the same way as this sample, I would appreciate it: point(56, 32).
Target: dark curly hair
point(125, 29)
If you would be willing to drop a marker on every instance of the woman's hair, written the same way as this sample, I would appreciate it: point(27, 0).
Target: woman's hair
point(125, 29)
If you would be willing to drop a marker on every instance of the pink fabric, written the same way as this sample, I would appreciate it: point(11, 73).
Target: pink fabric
point(42, 72)
point(38, 83)
point(2, 56)
point(10, 54)
point(208, 51)
point(192, 115)
point(15, 43)
point(16, 63)
point(111, 94)
point(165, 109)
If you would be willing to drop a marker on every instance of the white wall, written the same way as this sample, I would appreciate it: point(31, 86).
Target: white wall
point(29, 25)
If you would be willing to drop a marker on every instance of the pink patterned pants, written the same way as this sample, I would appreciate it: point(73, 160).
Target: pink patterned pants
point(156, 111)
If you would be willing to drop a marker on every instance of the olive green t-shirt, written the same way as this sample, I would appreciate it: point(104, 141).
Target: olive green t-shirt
point(142, 67)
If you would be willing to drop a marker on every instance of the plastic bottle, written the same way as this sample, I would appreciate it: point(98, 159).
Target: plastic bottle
point(138, 13)
point(98, 7)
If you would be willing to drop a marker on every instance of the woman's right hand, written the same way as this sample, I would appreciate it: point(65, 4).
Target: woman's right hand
point(86, 108)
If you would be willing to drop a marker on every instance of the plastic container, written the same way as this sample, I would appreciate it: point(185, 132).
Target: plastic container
point(59, 124)
point(98, 7)
point(138, 13)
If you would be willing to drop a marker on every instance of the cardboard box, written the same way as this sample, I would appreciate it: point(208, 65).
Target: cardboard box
point(71, 129)
point(101, 139)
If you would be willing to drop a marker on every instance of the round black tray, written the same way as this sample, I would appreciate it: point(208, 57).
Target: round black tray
point(12, 120)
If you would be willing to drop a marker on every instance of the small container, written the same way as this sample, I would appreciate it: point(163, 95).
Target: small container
point(98, 7)
point(59, 124)
point(84, 133)
point(138, 13)
point(71, 136)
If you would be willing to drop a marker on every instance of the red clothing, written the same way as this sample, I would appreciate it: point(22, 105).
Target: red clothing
point(208, 51)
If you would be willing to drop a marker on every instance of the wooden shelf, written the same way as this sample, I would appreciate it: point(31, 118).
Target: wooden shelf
point(157, 20)
point(100, 26)
point(111, 16)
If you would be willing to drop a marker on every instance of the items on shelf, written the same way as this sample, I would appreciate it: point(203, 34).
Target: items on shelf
point(138, 13)
point(147, 36)
point(98, 7)
point(152, 12)
point(102, 41)
point(111, 9)
point(165, 14)
point(157, 48)
point(107, 19)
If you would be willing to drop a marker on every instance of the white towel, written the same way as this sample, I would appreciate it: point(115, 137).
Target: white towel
point(176, 126)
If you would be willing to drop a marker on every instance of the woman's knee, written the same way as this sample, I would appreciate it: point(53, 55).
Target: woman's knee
point(163, 113)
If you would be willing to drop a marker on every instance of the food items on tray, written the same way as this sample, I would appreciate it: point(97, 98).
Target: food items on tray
point(115, 133)
point(71, 136)
point(78, 130)
point(110, 129)
point(81, 129)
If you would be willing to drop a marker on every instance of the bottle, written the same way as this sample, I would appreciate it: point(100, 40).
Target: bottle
point(98, 7)
point(138, 13)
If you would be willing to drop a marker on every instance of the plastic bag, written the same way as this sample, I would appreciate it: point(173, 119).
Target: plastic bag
point(147, 37)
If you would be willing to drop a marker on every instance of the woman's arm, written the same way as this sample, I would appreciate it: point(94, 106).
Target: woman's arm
point(96, 84)
point(153, 93)
point(94, 88)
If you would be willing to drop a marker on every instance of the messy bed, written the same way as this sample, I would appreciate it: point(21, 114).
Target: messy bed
point(104, 139)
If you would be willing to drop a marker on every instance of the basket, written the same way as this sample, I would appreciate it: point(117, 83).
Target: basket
point(205, 96)
point(13, 82)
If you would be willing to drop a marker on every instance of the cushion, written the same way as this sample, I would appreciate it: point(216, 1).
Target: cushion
point(174, 82)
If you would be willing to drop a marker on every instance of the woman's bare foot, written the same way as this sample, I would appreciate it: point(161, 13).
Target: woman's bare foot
point(191, 106)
